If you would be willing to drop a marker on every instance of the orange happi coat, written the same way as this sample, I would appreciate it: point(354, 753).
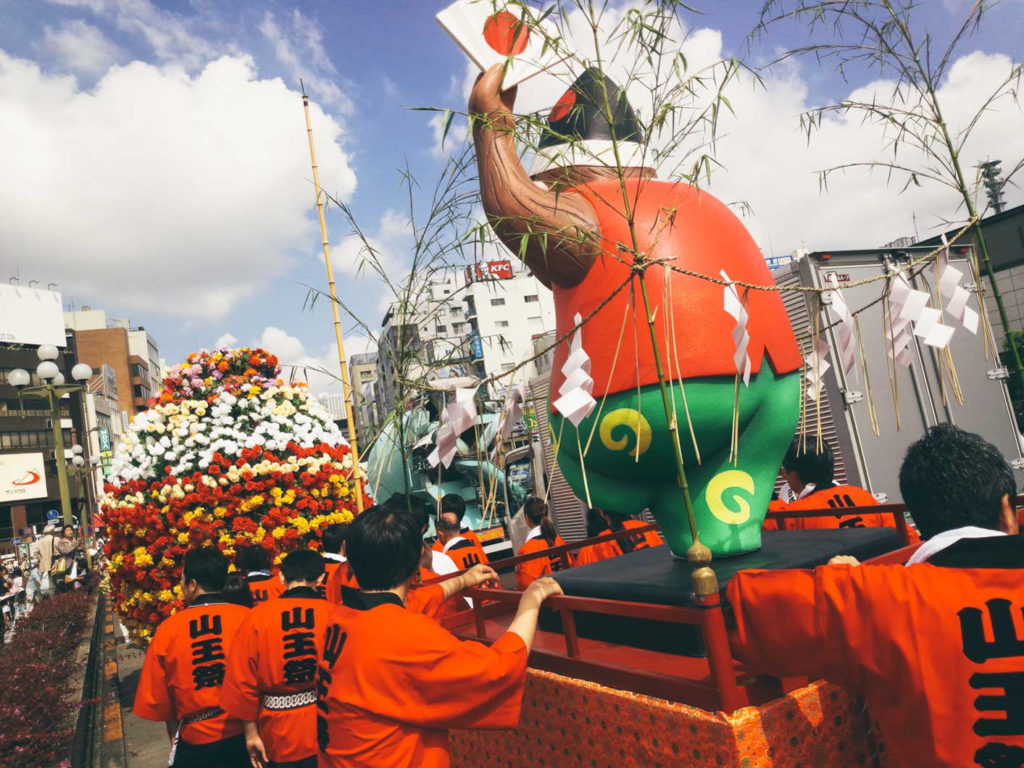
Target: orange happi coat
point(185, 667)
point(465, 533)
point(464, 552)
point(534, 569)
point(936, 650)
point(341, 576)
point(264, 586)
point(838, 497)
point(392, 682)
point(609, 549)
point(276, 652)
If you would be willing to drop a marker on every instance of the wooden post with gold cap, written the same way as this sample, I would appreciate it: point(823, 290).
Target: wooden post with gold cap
point(346, 388)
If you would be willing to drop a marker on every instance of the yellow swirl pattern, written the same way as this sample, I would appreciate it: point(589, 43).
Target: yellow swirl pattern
point(633, 421)
point(722, 482)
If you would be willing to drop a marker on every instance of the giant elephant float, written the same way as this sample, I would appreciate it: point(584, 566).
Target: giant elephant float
point(588, 206)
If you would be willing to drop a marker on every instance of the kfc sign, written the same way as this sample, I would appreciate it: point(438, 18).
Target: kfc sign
point(493, 270)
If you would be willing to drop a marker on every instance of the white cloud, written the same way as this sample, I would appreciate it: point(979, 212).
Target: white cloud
point(320, 371)
point(170, 36)
point(184, 194)
point(312, 65)
point(80, 47)
point(388, 245)
point(225, 340)
point(767, 161)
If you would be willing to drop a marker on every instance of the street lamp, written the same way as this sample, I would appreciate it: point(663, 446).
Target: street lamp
point(52, 390)
point(82, 472)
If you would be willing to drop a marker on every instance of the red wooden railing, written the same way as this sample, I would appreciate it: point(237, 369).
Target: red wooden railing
point(717, 682)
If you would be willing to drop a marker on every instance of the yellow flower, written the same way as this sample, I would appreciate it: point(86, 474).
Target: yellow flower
point(251, 503)
point(166, 596)
point(278, 532)
point(183, 538)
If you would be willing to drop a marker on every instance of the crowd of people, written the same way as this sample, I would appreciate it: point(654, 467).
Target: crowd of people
point(301, 680)
point(339, 658)
point(56, 563)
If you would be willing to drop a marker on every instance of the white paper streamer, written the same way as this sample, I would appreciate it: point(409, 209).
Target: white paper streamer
point(817, 366)
point(845, 331)
point(576, 400)
point(898, 336)
point(457, 417)
point(953, 293)
point(740, 337)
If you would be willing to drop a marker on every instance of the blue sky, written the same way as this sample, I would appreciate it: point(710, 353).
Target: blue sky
point(122, 227)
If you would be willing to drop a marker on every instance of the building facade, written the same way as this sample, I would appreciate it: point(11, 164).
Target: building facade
point(362, 371)
point(506, 309)
point(131, 352)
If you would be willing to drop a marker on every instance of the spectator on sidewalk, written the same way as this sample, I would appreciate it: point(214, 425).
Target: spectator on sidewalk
point(42, 550)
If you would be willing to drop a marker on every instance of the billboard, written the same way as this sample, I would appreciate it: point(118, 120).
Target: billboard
point(476, 347)
point(490, 270)
point(31, 316)
point(22, 477)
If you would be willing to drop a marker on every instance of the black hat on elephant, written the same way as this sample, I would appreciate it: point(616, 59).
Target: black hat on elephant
point(578, 131)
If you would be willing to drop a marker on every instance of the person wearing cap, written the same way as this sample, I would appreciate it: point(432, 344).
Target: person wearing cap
point(585, 217)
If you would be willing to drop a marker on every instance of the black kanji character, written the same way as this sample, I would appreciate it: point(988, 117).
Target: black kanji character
point(1011, 701)
point(208, 675)
point(298, 618)
point(299, 644)
point(300, 670)
point(204, 651)
point(206, 624)
point(334, 641)
point(1004, 645)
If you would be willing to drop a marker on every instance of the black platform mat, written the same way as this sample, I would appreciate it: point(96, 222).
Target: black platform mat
point(654, 576)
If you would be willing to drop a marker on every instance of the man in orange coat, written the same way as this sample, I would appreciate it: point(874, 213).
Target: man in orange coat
point(935, 647)
point(392, 682)
point(454, 542)
point(184, 669)
point(270, 683)
point(254, 562)
point(454, 504)
point(809, 472)
point(614, 523)
point(336, 569)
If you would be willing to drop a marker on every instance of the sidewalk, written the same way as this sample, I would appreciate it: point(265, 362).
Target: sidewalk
point(145, 742)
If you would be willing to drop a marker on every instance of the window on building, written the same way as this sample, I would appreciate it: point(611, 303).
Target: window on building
point(137, 370)
point(507, 366)
point(440, 328)
point(497, 302)
point(535, 322)
point(501, 324)
point(140, 391)
point(531, 298)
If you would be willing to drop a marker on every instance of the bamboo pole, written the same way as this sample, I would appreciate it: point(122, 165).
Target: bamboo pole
point(346, 388)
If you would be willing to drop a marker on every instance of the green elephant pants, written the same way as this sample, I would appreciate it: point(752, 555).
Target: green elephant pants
point(630, 463)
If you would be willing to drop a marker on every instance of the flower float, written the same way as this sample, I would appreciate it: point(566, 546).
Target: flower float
point(227, 455)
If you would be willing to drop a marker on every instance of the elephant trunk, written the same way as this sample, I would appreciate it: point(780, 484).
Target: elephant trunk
point(555, 234)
